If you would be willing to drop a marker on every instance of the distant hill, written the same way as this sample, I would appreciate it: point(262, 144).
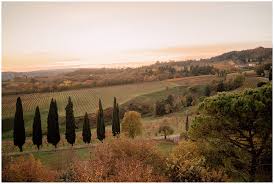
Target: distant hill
point(250, 55)
point(38, 73)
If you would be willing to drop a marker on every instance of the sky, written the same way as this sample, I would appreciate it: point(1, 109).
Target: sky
point(53, 35)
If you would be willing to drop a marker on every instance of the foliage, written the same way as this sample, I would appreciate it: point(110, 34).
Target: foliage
point(37, 130)
point(240, 123)
point(121, 160)
point(132, 125)
point(100, 123)
point(53, 134)
point(27, 169)
point(19, 126)
point(70, 123)
point(165, 130)
point(166, 106)
point(189, 100)
point(115, 119)
point(86, 134)
point(186, 164)
point(207, 90)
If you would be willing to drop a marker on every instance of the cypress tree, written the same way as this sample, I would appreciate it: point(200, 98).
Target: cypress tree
point(53, 134)
point(187, 124)
point(270, 74)
point(114, 118)
point(70, 123)
point(19, 136)
point(118, 119)
point(36, 129)
point(86, 130)
point(100, 123)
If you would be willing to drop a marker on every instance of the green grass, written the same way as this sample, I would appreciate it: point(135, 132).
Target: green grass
point(165, 146)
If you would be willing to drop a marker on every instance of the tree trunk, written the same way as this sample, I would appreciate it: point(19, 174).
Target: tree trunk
point(21, 148)
point(253, 168)
point(38, 147)
point(165, 136)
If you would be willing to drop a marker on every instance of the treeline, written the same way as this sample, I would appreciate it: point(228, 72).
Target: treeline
point(53, 132)
point(90, 78)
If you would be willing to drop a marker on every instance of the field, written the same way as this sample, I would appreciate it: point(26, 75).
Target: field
point(85, 100)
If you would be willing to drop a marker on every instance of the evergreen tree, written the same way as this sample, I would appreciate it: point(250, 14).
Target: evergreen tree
point(36, 129)
point(118, 119)
point(270, 74)
point(19, 126)
point(70, 123)
point(187, 124)
point(100, 123)
point(115, 119)
point(53, 134)
point(86, 130)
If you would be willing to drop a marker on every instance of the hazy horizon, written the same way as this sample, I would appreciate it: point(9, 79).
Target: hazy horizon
point(41, 36)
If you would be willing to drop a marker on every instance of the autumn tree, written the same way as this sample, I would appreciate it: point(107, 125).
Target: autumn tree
point(86, 130)
point(115, 119)
point(132, 125)
point(237, 124)
point(36, 129)
point(70, 123)
point(53, 134)
point(165, 130)
point(19, 136)
point(100, 122)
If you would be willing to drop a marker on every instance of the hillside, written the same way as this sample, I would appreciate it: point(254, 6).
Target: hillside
point(251, 55)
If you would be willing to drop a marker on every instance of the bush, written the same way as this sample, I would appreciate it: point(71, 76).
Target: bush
point(186, 164)
point(121, 160)
point(27, 169)
point(132, 125)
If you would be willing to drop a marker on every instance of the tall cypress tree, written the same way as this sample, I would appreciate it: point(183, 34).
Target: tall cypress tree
point(70, 123)
point(19, 136)
point(118, 119)
point(100, 123)
point(53, 134)
point(270, 74)
point(36, 129)
point(114, 118)
point(86, 130)
point(187, 124)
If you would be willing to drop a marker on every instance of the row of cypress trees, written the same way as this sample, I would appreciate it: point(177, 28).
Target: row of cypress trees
point(53, 133)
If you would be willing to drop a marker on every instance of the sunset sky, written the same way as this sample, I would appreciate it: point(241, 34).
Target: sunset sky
point(37, 36)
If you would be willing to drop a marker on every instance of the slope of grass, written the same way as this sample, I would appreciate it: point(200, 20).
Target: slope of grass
point(85, 100)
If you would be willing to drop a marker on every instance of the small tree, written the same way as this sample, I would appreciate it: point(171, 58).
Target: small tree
point(19, 126)
point(86, 130)
point(70, 123)
point(220, 86)
point(165, 130)
point(132, 125)
point(100, 122)
point(189, 100)
point(36, 129)
point(207, 90)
